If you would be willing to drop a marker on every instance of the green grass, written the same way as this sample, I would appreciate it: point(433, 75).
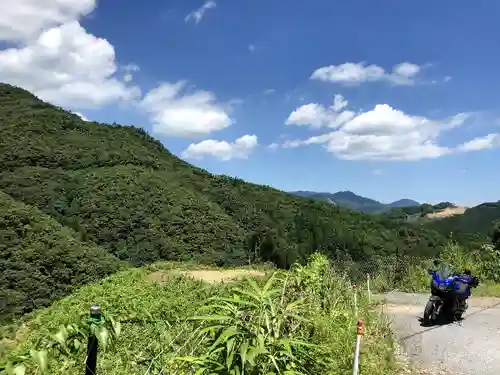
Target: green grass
point(408, 274)
point(301, 321)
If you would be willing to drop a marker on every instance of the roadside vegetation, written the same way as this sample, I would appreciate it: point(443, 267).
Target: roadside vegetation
point(409, 274)
point(299, 321)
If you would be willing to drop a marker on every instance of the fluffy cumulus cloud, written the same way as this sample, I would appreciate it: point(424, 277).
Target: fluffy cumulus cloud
point(49, 53)
point(317, 116)
point(197, 15)
point(241, 148)
point(178, 113)
point(350, 73)
point(62, 64)
point(26, 19)
point(383, 133)
point(491, 140)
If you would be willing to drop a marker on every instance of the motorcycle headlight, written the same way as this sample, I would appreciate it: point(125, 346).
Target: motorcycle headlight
point(442, 287)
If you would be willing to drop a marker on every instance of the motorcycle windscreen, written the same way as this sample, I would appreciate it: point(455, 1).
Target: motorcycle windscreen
point(444, 272)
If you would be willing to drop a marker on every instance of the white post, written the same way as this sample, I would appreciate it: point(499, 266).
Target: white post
point(355, 287)
point(359, 332)
point(368, 287)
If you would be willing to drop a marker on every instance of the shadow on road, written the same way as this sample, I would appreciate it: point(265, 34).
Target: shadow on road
point(445, 322)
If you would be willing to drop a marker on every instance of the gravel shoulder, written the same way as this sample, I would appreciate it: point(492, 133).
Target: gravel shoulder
point(469, 347)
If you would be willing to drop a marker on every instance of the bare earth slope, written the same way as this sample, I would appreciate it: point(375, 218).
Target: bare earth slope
point(470, 347)
point(447, 212)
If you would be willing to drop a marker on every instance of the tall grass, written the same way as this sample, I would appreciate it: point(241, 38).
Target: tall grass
point(409, 274)
point(299, 321)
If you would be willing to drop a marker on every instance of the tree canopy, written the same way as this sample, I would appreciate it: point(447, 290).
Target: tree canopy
point(118, 188)
point(40, 260)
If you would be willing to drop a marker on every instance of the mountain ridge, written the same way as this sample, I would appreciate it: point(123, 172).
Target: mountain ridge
point(354, 201)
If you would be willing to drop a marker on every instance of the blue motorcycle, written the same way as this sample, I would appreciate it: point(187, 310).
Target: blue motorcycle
point(449, 293)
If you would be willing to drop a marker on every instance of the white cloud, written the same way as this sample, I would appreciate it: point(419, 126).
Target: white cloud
point(377, 172)
point(383, 133)
point(404, 73)
point(184, 114)
point(64, 64)
point(312, 114)
point(411, 146)
point(317, 116)
point(241, 148)
point(269, 91)
point(291, 143)
point(354, 73)
point(25, 19)
point(384, 119)
point(339, 103)
point(273, 146)
point(251, 48)
point(481, 143)
point(81, 116)
point(349, 73)
point(198, 14)
point(129, 70)
point(406, 69)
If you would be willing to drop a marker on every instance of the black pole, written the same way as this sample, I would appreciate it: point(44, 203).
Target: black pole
point(91, 360)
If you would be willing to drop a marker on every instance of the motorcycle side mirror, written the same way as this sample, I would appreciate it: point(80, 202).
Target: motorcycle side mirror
point(429, 271)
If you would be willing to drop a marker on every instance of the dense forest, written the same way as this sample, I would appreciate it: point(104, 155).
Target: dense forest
point(40, 260)
point(477, 221)
point(416, 211)
point(120, 195)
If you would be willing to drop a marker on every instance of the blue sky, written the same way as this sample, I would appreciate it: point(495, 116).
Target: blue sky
point(387, 99)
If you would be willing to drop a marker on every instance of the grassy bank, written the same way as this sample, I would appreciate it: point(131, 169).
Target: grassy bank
point(297, 322)
point(409, 274)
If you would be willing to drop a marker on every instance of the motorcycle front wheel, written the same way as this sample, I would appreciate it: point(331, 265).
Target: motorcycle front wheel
point(429, 310)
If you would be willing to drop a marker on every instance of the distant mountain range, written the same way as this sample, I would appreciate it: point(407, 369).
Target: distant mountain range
point(356, 202)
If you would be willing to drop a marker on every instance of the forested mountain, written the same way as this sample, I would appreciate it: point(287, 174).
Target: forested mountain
point(40, 260)
point(404, 203)
point(416, 211)
point(118, 188)
point(478, 219)
point(356, 202)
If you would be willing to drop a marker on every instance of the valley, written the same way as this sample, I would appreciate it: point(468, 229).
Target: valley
point(98, 213)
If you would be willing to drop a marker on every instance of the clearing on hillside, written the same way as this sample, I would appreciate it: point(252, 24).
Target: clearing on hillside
point(447, 212)
point(210, 276)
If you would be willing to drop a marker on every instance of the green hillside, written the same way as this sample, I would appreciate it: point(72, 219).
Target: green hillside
point(117, 187)
point(41, 261)
point(416, 211)
point(476, 220)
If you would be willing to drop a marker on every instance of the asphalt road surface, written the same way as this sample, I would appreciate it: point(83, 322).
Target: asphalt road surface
point(469, 347)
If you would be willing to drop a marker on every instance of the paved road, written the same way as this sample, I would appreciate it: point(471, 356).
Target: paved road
point(469, 347)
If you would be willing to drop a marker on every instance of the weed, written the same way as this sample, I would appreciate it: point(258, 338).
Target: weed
point(299, 321)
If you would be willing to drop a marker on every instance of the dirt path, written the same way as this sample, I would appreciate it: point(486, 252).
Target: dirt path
point(210, 276)
point(470, 347)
